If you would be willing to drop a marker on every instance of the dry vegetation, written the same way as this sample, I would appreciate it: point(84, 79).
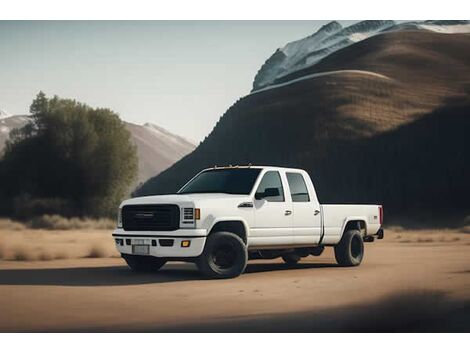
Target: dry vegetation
point(74, 238)
point(401, 235)
point(60, 239)
point(57, 222)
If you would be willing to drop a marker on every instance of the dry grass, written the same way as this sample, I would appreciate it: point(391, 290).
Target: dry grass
point(45, 256)
point(428, 236)
point(57, 222)
point(97, 251)
point(395, 228)
point(23, 243)
point(61, 255)
point(23, 254)
point(425, 240)
point(11, 225)
point(465, 229)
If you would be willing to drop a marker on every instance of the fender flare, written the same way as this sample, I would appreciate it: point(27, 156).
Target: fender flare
point(226, 219)
point(350, 219)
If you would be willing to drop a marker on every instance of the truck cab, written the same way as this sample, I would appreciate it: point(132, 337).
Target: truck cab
point(224, 216)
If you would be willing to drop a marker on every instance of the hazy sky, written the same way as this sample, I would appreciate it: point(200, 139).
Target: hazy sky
point(180, 75)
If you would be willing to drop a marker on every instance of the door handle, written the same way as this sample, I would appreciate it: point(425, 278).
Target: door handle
point(316, 212)
point(245, 205)
point(288, 212)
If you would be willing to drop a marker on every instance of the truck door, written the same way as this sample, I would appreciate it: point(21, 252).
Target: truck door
point(306, 216)
point(273, 213)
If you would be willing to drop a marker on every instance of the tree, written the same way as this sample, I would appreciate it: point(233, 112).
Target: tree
point(70, 159)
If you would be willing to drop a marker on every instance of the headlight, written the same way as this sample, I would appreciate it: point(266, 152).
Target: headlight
point(119, 218)
point(189, 217)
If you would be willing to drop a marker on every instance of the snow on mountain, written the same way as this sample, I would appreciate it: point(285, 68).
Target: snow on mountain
point(448, 29)
point(4, 114)
point(9, 122)
point(160, 132)
point(331, 37)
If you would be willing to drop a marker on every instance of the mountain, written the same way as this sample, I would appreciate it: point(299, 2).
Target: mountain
point(382, 120)
point(9, 122)
point(332, 37)
point(4, 114)
point(157, 148)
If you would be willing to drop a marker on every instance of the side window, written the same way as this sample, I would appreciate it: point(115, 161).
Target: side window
point(298, 188)
point(270, 187)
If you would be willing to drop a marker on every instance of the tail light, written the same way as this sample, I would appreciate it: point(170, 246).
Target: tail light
point(381, 214)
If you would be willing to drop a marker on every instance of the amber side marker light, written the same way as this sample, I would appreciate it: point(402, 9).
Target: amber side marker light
point(185, 243)
point(197, 214)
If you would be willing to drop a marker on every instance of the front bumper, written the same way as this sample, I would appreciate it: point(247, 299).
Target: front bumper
point(162, 244)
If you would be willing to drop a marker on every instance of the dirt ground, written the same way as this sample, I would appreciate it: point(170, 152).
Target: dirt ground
point(411, 281)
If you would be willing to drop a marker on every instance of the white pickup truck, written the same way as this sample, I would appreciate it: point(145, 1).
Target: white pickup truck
point(226, 215)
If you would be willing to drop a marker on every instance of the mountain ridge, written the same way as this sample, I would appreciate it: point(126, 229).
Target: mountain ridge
point(308, 51)
point(362, 137)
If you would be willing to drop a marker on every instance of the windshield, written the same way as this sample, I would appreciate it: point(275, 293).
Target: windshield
point(232, 181)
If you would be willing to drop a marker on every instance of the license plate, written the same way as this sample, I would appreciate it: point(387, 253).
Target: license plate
point(140, 249)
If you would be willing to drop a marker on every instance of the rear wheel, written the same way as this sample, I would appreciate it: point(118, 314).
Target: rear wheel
point(224, 256)
point(291, 258)
point(350, 250)
point(141, 263)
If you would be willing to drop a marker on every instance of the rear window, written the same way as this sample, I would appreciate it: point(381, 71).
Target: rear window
point(298, 188)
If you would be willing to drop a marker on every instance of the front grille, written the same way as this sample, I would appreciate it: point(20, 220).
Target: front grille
point(152, 217)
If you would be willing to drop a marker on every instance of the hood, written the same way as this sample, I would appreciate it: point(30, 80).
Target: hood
point(198, 199)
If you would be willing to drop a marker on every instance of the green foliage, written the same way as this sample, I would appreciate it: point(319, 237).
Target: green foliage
point(69, 160)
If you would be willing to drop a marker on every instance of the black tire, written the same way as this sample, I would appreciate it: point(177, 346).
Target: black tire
point(291, 258)
point(224, 256)
point(350, 250)
point(317, 251)
point(143, 263)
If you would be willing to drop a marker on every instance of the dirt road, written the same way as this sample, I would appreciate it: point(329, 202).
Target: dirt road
point(404, 284)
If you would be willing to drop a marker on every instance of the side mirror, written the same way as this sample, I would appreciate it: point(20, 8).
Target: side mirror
point(268, 192)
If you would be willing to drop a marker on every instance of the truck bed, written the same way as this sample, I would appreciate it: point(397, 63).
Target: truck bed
point(335, 216)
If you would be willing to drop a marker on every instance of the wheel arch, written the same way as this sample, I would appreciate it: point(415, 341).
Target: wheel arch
point(235, 225)
point(354, 223)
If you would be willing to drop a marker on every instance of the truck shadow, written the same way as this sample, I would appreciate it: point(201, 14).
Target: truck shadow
point(265, 267)
point(122, 275)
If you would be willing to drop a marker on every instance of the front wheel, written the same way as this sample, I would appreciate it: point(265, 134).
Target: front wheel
point(142, 263)
point(224, 256)
point(350, 250)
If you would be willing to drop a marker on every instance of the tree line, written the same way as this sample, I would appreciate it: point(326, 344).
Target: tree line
point(70, 159)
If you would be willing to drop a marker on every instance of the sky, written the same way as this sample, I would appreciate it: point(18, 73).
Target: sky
point(180, 75)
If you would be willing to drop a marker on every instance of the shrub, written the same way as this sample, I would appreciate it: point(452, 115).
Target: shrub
point(70, 159)
point(97, 252)
point(45, 256)
point(466, 220)
point(465, 229)
point(8, 224)
point(23, 254)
